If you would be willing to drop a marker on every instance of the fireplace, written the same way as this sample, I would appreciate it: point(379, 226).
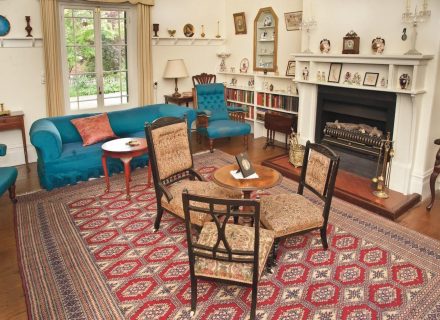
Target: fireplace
point(353, 123)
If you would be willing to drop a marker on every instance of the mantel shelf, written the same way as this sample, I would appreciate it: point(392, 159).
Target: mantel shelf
point(360, 87)
point(184, 41)
point(21, 42)
point(364, 58)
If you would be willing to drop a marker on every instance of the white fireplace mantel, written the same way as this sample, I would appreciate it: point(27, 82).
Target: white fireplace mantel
point(408, 102)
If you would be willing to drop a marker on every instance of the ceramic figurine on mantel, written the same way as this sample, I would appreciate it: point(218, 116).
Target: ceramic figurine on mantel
point(378, 45)
point(404, 81)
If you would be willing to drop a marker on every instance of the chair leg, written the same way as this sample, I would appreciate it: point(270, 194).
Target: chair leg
point(158, 218)
point(211, 145)
point(323, 232)
point(254, 301)
point(275, 252)
point(193, 295)
point(12, 193)
point(432, 180)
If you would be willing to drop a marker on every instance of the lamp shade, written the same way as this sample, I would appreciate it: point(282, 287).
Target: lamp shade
point(175, 69)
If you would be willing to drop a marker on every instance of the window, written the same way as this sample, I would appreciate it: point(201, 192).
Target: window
point(96, 57)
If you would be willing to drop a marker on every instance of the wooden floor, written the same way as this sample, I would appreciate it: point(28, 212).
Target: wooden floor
point(12, 302)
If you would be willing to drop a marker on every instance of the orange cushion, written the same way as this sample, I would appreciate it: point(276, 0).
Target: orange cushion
point(94, 129)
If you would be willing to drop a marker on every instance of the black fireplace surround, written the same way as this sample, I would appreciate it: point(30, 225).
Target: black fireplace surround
point(374, 108)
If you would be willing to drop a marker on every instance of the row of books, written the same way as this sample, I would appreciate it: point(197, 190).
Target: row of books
point(240, 95)
point(277, 101)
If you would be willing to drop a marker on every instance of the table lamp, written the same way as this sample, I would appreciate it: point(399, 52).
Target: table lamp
point(175, 69)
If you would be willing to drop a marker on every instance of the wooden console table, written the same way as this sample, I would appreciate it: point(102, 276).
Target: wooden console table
point(184, 98)
point(16, 121)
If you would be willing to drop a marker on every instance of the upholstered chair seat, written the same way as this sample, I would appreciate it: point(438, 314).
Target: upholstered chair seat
point(205, 188)
point(290, 214)
point(287, 214)
point(214, 118)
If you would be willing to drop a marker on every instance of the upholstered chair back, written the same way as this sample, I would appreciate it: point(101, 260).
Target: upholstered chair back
point(211, 97)
point(170, 145)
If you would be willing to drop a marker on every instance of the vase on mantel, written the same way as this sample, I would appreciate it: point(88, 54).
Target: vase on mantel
point(404, 81)
point(28, 26)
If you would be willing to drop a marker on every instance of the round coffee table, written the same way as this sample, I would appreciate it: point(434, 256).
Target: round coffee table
point(124, 149)
point(267, 178)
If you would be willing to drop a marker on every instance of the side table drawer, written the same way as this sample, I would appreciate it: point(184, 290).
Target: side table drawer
point(10, 122)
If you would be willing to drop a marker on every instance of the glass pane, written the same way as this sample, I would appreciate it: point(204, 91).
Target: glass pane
point(85, 59)
point(74, 104)
point(124, 84)
point(71, 60)
point(113, 31)
point(84, 31)
point(112, 84)
point(113, 58)
point(83, 13)
point(68, 31)
point(83, 86)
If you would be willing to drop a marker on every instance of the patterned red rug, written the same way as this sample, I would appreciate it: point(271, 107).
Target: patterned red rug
point(85, 254)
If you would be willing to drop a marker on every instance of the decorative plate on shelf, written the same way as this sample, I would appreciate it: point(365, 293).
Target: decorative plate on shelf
point(188, 30)
point(5, 26)
point(244, 65)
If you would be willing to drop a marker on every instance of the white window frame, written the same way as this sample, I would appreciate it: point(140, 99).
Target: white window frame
point(133, 91)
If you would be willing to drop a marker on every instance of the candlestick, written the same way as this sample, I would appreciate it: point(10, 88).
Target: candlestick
point(414, 19)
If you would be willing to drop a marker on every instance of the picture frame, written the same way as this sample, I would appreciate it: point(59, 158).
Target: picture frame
point(370, 79)
point(293, 20)
point(244, 65)
point(240, 23)
point(244, 164)
point(334, 73)
point(291, 66)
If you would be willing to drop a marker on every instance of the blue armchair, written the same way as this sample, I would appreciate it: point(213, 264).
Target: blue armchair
point(7, 177)
point(216, 120)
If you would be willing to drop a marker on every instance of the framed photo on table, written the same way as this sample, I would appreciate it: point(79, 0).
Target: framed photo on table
point(244, 164)
point(334, 74)
point(370, 79)
point(240, 23)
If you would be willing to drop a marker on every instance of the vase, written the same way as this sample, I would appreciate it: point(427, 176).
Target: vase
point(155, 29)
point(404, 81)
point(28, 26)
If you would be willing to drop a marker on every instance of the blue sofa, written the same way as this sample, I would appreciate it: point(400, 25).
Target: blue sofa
point(63, 160)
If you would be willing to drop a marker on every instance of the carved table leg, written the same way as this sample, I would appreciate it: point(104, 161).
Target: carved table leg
point(127, 172)
point(434, 176)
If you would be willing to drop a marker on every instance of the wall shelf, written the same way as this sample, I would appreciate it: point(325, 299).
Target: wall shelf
point(21, 42)
point(185, 41)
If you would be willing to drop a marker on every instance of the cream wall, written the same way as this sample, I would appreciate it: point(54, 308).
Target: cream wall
point(21, 71)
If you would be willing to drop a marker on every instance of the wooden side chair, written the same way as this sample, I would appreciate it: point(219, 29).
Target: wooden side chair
point(225, 251)
point(173, 170)
point(289, 214)
point(203, 78)
point(434, 175)
point(8, 176)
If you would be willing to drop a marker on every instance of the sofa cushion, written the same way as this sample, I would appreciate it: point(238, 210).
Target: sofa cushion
point(94, 129)
point(225, 128)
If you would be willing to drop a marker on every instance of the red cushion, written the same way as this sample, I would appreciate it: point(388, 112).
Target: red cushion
point(94, 129)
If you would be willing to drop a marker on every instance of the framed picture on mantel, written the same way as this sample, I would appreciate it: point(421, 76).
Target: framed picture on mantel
point(334, 74)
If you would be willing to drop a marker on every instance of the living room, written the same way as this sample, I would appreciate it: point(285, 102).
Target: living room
point(415, 121)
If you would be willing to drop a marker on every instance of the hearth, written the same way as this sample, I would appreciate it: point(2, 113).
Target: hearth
point(354, 123)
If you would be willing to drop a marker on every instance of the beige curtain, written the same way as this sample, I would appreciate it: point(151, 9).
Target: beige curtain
point(145, 74)
point(52, 53)
point(52, 58)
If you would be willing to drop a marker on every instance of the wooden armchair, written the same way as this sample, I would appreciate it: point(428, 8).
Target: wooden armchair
point(171, 161)
point(224, 251)
point(289, 214)
point(203, 78)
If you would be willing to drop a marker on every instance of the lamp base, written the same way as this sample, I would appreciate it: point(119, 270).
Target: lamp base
point(176, 94)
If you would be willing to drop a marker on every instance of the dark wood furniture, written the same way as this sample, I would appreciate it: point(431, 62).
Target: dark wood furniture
point(203, 78)
point(223, 251)
point(183, 99)
point(16, 121)
point(292, 213)
point(354, 189)
point(276, 122)
point(121, 149)
point(267, 178)
point(434, 175)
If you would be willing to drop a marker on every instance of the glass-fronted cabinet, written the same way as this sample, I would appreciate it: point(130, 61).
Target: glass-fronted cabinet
point(265, 40)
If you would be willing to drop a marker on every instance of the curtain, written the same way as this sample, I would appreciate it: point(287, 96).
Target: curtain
point(52, 58)
point(145, 75)
point(52, 53)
